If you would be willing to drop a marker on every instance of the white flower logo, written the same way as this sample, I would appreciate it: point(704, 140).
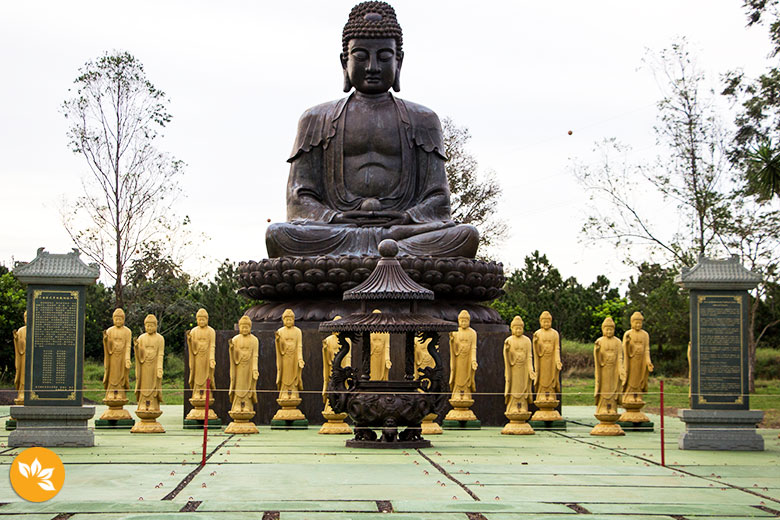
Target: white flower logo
point(36, 471)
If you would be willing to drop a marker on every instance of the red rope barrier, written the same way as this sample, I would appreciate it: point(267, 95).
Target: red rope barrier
point(663, 453)
point(206, 420)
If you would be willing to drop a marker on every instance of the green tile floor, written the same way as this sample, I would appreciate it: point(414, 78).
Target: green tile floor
point(466, 475)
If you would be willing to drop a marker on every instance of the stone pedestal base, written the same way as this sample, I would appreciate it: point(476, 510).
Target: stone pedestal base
point(461, 415)
point(733, 430)
point(241, 424)
point(148, 422)
point(546, 410)
point(335, 424)
point(518, 424)
point(116, 411)
point(19, 401)
point(289, 416)
point(52, 426)
point(198, 412)
point(429, 427)
point(633, 413)
point(607, 425)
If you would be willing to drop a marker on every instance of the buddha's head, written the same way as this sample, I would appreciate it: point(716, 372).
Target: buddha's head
point(608, 327)
point(119, 318)
point(636, 321)
point(545, 320)
point(150, 324)
point(517, 326)
point(464, 319)
point(202, 317)
point(372, 49)
point(245, 325)
point(288, 318)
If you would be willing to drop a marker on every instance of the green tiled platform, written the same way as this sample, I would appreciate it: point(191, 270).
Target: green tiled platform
point(466, 475)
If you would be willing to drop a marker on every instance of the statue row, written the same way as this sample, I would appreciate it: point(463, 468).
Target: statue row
point(532, 366)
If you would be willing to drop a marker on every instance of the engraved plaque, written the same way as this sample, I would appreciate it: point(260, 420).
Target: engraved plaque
point(55, 345)
point(719, 350)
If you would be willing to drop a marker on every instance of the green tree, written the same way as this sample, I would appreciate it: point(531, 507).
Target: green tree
point(115, 116)
point(219, 297)
point(156, 284)
point(98, 313)
point(473, 196)
point(13, 303)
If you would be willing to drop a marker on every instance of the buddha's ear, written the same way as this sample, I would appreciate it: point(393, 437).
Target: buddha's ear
point(397, 81)
point(347, 82)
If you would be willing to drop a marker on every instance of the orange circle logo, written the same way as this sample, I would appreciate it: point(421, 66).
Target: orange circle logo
point(37, 474)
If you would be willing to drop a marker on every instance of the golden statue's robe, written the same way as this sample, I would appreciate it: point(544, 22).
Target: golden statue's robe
point(518, 373)
point(117, 342)
point(463, 354)
point(243, 352)
point(201, 346)
point(636, 352)
point(380, 356)
point(149, 355)
point(20, 353)
point(608, 359)
point(547, 355)
point(289, 351)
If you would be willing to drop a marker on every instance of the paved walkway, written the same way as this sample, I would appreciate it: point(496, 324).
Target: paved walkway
point(291, 475)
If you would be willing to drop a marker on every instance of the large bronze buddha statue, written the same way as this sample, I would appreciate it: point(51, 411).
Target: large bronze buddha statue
point(369, 166)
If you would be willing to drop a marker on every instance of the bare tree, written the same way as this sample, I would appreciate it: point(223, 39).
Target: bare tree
point(690, 175)
point(474, 196)
point(115, 116)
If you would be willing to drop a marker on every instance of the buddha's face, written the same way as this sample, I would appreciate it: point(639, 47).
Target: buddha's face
point(545, 322)
point(202, 320)
point(372, 64)
point(119, 320)
point(150, 326)
point(463, 322)
point(636, 324)
point(517, 330)
point(608, 330)
point(288, 321)
point(244, 328)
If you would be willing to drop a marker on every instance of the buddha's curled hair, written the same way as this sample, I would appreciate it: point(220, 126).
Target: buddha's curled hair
point(372, 20)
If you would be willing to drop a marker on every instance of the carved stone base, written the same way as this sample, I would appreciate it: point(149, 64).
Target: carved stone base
point(461, 411)
point(607, 425)
point(52, 426)
point(148, 422)
point(633, 412)
point(429, 427)
point(116, 411)
point(241, 423)
point(335, 424)
point(518, 424)
point(289, 410)
point(198, 412)
point(546, 410)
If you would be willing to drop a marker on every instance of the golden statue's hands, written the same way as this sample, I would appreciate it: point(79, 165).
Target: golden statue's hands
point(622, 375)
point(649, 367)
point(388, 364)
point(159, 373)
point(212, 363)
point(127, 363)
point(559, 365)
point(255, 374)
point(474, 365)
point(300, 363)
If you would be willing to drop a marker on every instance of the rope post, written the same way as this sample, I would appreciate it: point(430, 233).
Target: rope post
point(206, 422)
point(663, 453)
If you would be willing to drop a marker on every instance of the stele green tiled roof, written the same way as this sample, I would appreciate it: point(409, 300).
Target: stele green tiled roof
point(726, 274)
point(60, 269)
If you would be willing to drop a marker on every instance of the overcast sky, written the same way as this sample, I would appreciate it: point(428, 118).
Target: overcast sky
point(519, 75)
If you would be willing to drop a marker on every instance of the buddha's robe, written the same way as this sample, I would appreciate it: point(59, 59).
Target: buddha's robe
point(149, 355)
point(20, 351)
point(289, 351)
point(608, 359)
point(463, 355)
point(518, 373)
point(547, 355)
point(243, 372)
point(320, 187)
point(201, 343)
point(636, 352)
point(117, 342)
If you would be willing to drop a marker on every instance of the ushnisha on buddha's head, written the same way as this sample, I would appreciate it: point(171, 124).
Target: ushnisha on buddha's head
point(372, 52)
